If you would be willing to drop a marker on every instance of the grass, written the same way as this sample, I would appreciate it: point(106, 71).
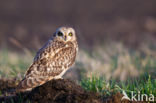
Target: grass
point(13, 64)
point(98, 84)
point(109, 61)
point(117, 62)
point(143, 85)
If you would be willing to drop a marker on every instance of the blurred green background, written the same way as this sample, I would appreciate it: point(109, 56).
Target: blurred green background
point(117, 38)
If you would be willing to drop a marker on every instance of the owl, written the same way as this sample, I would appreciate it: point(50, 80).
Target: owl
point(52, 60)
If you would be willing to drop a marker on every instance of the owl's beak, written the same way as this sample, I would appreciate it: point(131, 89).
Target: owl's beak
point(65, 37)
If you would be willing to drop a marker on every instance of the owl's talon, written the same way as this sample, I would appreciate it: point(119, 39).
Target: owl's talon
point(58, 78)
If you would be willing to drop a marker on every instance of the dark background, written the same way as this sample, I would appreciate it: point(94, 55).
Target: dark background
point(32, 22)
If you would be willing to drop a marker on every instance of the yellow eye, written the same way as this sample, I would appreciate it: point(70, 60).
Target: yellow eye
point(70, 34)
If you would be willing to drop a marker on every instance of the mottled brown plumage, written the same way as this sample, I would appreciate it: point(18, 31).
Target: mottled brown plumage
point(52, 60)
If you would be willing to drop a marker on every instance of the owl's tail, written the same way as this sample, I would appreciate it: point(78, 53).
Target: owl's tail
point(28, 84)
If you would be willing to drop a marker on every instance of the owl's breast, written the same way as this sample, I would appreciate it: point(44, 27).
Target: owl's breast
point(64, 58)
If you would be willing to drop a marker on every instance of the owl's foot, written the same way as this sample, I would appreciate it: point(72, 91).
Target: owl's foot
point(58, 77)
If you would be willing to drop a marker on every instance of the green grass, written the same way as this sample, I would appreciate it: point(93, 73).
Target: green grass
point(144, 85)
point(12, 63)
point(98, 84)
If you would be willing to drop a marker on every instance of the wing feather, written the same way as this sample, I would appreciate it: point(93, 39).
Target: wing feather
point(45, 67)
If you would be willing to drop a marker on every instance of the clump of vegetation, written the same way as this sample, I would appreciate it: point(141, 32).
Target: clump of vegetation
point(143, 85)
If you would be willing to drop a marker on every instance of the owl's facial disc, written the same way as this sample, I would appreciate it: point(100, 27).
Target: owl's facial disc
point(65, 34)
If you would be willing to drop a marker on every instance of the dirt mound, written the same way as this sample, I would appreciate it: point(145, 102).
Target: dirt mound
point(55, 91)
point(61, 91)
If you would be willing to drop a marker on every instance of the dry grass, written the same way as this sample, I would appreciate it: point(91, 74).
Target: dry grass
point(117, 61)
point(13, 64)
point(112, 60)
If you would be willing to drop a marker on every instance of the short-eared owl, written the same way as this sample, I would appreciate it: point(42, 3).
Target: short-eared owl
point(52, 60)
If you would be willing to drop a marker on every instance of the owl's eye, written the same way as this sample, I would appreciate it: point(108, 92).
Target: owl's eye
point(60, 33)
point(70, 34)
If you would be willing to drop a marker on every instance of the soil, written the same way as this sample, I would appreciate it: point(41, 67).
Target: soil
point(54, 91)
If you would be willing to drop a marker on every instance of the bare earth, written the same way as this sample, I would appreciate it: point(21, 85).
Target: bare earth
point(55, 91)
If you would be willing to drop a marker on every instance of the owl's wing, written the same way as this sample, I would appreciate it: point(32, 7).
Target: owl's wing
point(49, 49)
point(44, 50)
point(46, 68)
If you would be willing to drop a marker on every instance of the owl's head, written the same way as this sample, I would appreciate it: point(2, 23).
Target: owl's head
point(65, 34)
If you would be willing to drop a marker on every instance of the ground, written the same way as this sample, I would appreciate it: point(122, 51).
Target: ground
point(55, 91)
